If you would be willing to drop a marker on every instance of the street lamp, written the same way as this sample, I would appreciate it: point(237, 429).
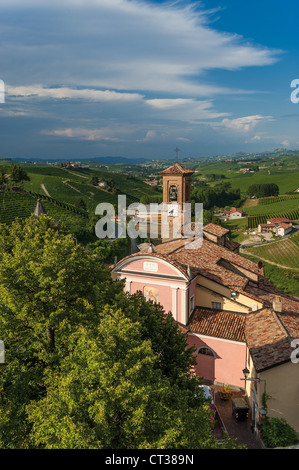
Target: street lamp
point(234, 294)
point(246, 372)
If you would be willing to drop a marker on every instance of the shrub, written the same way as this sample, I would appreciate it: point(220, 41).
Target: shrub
point(276, 432)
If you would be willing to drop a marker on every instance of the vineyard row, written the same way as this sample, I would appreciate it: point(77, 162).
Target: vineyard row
point(253, 221)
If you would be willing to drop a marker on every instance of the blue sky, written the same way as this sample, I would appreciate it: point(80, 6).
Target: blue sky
point(138, 78)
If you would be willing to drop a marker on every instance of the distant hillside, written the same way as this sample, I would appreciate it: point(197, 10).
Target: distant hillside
point(105, 160)
point(69, 185)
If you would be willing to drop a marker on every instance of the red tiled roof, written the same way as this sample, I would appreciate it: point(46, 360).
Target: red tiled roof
point(267, 333)
point(218, 323)
point(267, 340)
point(215, 230)
point(278, 220)
point(230, 245)
point(177, 169)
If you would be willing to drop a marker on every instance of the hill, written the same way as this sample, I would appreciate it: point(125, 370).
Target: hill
point(73, 184)
point(22, 205)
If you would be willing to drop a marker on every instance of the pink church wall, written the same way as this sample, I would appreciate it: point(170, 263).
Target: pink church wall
point(162, 269)
point(228, 364)
point(147, 276)
point(161, 294)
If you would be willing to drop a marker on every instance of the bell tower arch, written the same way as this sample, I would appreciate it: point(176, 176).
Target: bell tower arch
point(176, 192)
point(176, 185)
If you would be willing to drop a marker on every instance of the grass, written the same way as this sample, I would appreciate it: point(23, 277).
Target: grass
point(18, 205)
point(286, 181)
point(283, 252)
point(70, 185)
point(285, 280)
point(275, 207)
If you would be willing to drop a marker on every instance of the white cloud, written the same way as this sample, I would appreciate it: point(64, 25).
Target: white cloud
point(244, 124)
point(121, 45)
point(69, 93)
point(84, 134)
point(184, 109)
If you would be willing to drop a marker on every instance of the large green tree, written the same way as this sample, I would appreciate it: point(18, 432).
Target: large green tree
point(48, 286)
point(109, 393)
point(86, 365)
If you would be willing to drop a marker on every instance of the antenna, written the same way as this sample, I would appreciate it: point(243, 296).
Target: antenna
point(176, 150)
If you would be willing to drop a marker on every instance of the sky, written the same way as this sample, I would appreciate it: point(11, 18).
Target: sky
point(140, 78)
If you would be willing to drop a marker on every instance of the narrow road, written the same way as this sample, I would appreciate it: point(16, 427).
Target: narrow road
point(270, 262)
point(45, 190)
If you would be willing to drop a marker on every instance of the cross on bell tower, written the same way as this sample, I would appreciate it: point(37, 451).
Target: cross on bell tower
point(176, 150)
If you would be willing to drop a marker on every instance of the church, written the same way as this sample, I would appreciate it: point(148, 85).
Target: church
point(244, 331)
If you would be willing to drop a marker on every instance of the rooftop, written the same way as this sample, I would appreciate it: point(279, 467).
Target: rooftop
point(268, 333)
point(177, 169)
point(218, 323)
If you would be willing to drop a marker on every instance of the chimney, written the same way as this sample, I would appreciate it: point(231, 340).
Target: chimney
point(277, 304)
point(151, 248)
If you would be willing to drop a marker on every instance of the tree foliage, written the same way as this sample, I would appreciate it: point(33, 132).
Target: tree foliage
point(263, 190)
point(18, 174)
point(220, 195)
point(86, 365)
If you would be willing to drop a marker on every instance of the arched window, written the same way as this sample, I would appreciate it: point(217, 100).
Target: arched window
point(173, 193)
point(206, 351)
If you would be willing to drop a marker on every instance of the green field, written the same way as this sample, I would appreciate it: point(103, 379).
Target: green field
point(282, 252)
point(71, 185)
point(286, 181)
point(18, 205)
point(282, 170)
point(278, 205)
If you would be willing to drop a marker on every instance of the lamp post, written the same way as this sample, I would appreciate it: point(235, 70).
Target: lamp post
point(262, 412)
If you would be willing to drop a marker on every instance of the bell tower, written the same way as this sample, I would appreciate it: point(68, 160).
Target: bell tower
point(176, 192)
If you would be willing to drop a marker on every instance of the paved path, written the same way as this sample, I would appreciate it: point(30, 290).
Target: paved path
point(241, 431)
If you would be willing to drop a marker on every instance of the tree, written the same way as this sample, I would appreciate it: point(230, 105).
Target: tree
point(110, 394)
point(48, 286)
point(18, 174)
point(3, 178)
point(81, 204)
point(263, 190)
point(86, 365)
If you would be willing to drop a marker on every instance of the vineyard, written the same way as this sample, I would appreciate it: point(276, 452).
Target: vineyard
point(273, 200)
point(283, 252)
point(253, 221)
point(72, 185)
point(22, 205)
point(286, 206)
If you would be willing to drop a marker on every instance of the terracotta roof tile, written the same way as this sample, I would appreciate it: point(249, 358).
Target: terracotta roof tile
point(176, 169)
point(218, 323)
point(215, 230)
point(267, 340)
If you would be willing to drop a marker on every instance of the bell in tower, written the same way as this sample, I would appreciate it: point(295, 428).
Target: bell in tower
point(176, 192)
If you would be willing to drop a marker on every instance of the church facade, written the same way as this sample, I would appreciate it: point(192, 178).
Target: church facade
point(240, 326)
